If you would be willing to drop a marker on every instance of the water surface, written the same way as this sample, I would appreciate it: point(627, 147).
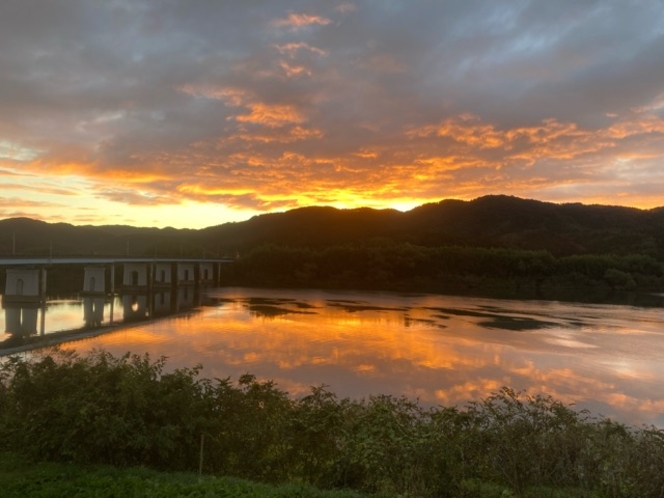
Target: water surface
point(440, 349)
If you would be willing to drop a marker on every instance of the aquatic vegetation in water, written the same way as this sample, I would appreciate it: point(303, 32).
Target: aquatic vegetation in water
point(353, 308)
point(516, 323)
point(272, 311)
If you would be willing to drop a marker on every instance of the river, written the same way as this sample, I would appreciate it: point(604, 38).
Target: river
point(439, 349)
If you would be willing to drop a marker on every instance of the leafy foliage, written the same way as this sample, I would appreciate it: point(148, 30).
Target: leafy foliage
point(130, 411)
point(451, 268)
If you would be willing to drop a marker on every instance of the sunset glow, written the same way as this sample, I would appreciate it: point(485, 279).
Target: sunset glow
point(603, 358)
point(198, 113)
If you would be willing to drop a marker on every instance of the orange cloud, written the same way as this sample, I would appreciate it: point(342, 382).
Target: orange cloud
point(272, 116)
point(366, 154)
point(267, 154)
point(642, 125)
point(231, 96)
point(549, 140)
point(296, 21)
point(20, 202)
point(291, 49)
point(43, 188)
point(282, 135)
point(292, 70)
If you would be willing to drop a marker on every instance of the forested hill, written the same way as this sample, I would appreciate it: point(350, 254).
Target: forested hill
point(490, 221)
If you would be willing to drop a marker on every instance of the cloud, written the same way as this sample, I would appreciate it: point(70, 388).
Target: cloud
point(273, 116)
point(19, 202)
point(346, 7)
point(292, 49)
point(299, 20)
point(134, 198)
point(351, 103)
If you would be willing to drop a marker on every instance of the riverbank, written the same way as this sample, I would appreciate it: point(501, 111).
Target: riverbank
point(126, 412)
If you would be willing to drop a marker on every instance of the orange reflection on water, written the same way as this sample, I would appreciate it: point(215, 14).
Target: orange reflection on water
point(440, 349)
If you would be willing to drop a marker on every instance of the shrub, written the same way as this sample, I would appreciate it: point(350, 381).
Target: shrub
point(129, 411)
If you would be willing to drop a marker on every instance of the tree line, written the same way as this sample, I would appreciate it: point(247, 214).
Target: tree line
point(404, 266)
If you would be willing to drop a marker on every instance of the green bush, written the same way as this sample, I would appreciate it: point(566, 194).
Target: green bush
point(129, 411)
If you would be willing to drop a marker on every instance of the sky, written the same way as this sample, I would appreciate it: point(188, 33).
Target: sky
point(193, 113)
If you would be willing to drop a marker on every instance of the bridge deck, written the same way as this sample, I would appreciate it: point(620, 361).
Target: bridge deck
point(105, 261)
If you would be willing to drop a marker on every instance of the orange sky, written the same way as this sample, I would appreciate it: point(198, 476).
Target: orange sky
point(191, 114)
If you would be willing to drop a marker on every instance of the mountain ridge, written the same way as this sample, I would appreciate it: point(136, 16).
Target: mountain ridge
point(488, 221)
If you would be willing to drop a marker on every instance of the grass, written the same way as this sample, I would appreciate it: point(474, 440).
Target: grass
point(22, 478)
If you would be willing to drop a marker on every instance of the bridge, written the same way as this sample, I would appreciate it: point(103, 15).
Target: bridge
point(150, 287)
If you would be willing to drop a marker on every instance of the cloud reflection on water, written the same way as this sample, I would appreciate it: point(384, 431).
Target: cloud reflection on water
point(604, 358)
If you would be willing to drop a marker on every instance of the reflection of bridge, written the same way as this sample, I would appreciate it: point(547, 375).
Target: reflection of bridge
point(150, 288)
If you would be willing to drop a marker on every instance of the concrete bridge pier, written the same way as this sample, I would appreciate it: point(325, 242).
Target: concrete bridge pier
point(162, 302)
point(21, 321)
point(186, 297)
point(93, 311)
point(136, 283)
point(94, 294)
point(162, 275)
point(206, 273)
point(94, 281)
point(135, 307)
point(112, 293)
point(186, 274)
point(136, 276)
point(25, 285)
point(25, 290)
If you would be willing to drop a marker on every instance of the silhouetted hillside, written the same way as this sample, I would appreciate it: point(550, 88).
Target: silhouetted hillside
point(501, 221)
point(27, 237)
point(490, 221)
point(311, 226)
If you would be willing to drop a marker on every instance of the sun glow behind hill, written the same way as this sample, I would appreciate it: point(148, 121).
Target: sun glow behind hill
point(226, 111)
